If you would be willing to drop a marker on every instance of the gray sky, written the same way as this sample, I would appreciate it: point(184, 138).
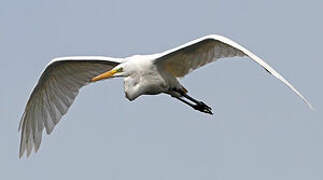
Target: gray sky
point(261, 129)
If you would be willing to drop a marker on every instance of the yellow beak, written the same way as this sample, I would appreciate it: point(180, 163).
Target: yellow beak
point(105, 75)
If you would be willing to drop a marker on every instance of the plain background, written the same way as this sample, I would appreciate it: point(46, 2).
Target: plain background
point(261, 129)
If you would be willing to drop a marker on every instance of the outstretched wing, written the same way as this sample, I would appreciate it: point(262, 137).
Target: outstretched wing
point(55, 92)
point(192, 55)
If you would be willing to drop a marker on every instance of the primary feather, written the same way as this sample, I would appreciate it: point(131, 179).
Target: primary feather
point(192, 55)
point(54, 93)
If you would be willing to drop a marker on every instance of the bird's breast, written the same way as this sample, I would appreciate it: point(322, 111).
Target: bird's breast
point(148, 83)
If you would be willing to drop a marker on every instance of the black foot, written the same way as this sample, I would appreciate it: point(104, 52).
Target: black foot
point(201, 106)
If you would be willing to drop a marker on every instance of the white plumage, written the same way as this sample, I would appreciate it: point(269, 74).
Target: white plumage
point(61, 80)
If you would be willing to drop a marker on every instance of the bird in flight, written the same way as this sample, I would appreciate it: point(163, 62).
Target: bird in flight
point(153, 74)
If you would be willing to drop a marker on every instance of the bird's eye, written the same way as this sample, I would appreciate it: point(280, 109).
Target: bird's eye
point(120, 69)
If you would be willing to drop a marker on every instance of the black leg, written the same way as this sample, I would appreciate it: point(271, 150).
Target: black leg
point(199, 105)
point(203, 108)
point(194, 100)
point(186, 102)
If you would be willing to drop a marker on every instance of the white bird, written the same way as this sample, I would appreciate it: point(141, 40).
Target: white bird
point(61, 80)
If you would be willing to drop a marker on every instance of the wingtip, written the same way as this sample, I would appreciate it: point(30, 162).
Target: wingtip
point(21, 153)
point(310, 106)
point(306, 102)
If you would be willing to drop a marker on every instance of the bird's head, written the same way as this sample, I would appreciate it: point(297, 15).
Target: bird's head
point(119, 71)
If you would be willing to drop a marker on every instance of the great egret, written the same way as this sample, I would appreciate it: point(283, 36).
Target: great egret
point(143, 74)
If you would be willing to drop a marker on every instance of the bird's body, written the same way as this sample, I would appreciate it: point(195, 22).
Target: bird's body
point(147, 78)
point(143, 75)
point(135, 85)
